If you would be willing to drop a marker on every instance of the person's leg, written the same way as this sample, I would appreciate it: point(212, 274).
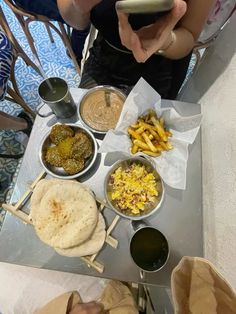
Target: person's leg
point(8, 122)
point(20, 123)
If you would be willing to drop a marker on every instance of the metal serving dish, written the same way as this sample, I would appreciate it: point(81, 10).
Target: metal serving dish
point(150, 210)
point(108, 90)
point(59, 172)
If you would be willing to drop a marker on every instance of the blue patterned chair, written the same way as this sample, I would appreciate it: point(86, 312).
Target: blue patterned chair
point(7, 38)
point(25, 18)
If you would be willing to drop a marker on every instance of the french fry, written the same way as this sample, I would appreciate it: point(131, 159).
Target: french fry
point(169, 145)
point(140, 130)
point(159, 147)
point(134, 149)
point(155, 135)
point(164, 145)
point(152, 113)
point(149, 153)
point(151, 129)
point(162, 123)
point(141, 144)
point(159, 129)
point(145, 125)
point(169, 133)
point(147, 117)
point(149, 143)
point(135, 126)
point(148, 135)
point(134, 134)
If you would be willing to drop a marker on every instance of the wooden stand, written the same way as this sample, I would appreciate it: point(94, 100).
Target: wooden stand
point(89, 260)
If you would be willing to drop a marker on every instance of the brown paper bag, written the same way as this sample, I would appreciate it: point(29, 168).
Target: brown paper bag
point(198, 288)
point(116, 298)
point(62, 304)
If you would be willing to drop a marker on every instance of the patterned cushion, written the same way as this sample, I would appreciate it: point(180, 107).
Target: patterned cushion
point(6, 57)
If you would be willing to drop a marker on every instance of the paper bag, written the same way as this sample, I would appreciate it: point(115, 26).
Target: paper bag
point(116, 298)
point(198, 288)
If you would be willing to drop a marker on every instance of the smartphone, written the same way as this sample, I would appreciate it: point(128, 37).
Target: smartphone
point(144, 6)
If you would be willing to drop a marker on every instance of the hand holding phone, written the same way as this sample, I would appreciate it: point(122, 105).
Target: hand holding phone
point(144, 6)
point(147, 40)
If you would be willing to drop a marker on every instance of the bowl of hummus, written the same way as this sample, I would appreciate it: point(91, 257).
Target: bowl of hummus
point(100, 108)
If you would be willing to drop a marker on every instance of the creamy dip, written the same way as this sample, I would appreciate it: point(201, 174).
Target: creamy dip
point(100, 111)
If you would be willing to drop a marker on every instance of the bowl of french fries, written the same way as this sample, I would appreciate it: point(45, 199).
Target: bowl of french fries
point(149, 135)
point(133, 188)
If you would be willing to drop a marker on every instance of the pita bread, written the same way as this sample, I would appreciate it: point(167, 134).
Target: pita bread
point(64, 213)
point(42, 187)
point(92, 246)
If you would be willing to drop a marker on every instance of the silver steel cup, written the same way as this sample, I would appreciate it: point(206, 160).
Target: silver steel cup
point(148, 260)
point(54, 92)
point(149, 248)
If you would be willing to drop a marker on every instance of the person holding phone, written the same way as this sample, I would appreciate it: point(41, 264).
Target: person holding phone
point(155, 46)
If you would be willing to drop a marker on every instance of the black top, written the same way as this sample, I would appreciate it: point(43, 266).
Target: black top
point(104, 18)
point(47, 8)
point(108, 66)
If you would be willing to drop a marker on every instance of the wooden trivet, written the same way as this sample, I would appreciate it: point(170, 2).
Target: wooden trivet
point(17, 211)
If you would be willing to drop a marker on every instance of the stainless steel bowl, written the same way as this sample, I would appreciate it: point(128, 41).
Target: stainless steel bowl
point(59, 172)
point(106, 88)
point(150, 210)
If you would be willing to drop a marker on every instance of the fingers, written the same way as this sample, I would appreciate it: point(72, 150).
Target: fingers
point(88, 308)
point(180, 8)
point(149, 39)
point(129, 38)
point(166, 24)
point(125, 29)
point(176, 13)
point(123, 18)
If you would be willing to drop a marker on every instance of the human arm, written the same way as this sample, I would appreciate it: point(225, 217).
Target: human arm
point(76, 12)
point(189, 17)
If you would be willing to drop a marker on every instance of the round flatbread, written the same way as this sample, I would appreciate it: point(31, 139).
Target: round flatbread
point(92, 246)
point(66, 213)
point(42, 187)
point(39, 191)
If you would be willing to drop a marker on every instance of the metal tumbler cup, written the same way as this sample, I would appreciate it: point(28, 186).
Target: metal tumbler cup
point(54, 92)
point(149, 248)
